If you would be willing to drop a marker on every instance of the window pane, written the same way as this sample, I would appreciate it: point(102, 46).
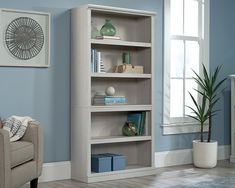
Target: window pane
point(176, 9)
point(176, 98)
point(192, 58)
point(190, 85)
point(191, 18)
point(203, 22)
point(177, 58)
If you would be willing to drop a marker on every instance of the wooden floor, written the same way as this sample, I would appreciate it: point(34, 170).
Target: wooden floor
point(165, 177)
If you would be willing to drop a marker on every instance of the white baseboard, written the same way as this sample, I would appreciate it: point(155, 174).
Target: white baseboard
point(181, 157)
point(56, 171)
point(62, 170)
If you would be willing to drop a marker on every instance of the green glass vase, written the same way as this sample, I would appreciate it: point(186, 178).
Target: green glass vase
point(129, 129)
point(108, 29)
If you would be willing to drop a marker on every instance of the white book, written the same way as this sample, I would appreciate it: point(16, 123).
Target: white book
point(98, 61)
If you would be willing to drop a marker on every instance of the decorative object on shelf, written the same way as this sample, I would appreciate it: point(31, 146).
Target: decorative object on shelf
point(26, 38)
point(109, 100)
point(129, 129)
point(106, 162)
point(110, 91)
point(101, 163)
point(128, 68)
point(126, 57)
point(108, 29)
point(97, 65)
point(138, 118)
point(205, 152)
point(118, 161)
point(94, 30)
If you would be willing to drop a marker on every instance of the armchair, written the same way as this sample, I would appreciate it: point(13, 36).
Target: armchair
point(21, 161)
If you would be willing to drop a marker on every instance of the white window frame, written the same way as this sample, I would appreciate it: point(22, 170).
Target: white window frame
point(184, 124)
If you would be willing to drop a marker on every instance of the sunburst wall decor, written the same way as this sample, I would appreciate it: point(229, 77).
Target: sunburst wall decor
point(24, 38)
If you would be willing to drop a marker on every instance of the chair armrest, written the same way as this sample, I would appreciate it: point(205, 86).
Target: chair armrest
point(33, 134)
point(5, 165)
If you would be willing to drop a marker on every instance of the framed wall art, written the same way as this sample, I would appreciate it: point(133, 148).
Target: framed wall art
point(24, 38)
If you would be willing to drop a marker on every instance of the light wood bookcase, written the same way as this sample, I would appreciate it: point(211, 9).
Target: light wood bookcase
point(232, 157)
point(97, 129)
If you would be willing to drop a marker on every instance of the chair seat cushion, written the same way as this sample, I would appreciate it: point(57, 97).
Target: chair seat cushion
point(21, 152)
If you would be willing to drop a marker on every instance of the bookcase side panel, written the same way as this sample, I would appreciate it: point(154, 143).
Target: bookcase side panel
point(80, 57)
point(80, 150)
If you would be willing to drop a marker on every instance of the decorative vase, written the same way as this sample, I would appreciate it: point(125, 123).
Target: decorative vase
point(107, 29)
point(129, 129)
point(205, 154)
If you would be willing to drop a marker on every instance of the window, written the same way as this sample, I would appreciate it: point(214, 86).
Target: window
point(186, 47)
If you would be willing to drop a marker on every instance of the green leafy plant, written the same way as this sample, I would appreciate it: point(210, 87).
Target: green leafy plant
point(208, 89)
point(201, 112)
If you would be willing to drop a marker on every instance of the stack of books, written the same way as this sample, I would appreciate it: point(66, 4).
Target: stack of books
point(96, 62)
point(109, 100)
point(138, 118)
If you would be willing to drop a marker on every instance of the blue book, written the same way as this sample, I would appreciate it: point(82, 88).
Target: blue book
point(135, 117)
point(95, 60)
point(92, 60)
point(115, 100)
point(142, 125)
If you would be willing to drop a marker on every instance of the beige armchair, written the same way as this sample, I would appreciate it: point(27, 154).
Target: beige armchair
point(21, 161)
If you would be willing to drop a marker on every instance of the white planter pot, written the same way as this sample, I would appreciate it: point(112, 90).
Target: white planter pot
point(205, 154)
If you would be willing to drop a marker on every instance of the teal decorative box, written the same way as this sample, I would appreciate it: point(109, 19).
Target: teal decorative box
point(118, 161)
point(100, 163)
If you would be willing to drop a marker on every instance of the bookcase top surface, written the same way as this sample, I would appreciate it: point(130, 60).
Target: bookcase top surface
point(119, 10)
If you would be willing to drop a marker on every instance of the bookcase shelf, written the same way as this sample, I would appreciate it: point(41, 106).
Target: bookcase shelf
point(120, 108)
point(97, 129)
point(121, 75)
point(120, 43)
point(117, 139)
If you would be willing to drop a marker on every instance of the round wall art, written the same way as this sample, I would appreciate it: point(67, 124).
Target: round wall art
point(24, 38)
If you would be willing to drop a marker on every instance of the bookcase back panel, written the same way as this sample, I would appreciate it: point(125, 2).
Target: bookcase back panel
point(109, 124)
point(137, 153)
point(128, 27)
point(137, 91)
point(112, 56)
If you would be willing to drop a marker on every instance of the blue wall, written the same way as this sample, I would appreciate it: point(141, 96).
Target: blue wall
point(44, 93)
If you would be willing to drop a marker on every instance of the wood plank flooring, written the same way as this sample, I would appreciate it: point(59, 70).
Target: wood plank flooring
point(165, 178)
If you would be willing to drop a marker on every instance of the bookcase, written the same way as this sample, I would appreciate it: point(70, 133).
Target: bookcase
point(97, 129)
point(232, 157)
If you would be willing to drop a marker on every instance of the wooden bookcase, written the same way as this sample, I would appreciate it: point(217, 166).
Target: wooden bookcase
point(97, 129)
point(232, 157)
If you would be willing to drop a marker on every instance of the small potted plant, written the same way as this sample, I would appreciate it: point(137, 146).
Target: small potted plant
point(205, 151)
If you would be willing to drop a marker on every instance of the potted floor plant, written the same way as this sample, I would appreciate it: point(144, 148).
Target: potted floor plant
point(205, 151)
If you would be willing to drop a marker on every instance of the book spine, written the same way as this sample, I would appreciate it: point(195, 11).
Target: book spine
point(142, 124)
point(115, 100)
point(98, 61)
point(95, 60)
point(91, 60)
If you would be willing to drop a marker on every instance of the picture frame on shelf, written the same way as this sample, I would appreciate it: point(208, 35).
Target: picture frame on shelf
point(25, 38)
